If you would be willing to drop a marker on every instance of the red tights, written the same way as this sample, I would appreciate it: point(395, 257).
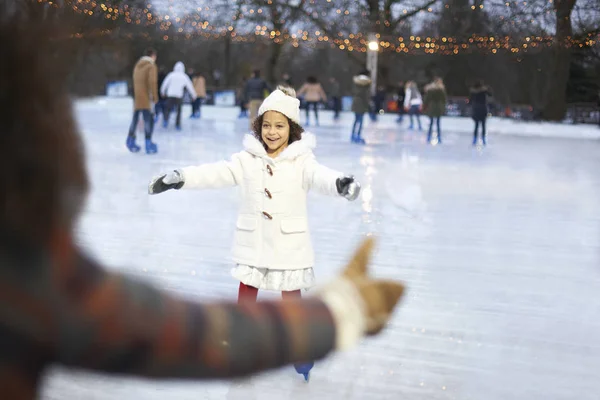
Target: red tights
point(249, 293)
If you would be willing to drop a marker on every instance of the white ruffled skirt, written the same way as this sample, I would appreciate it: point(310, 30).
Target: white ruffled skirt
point(274, 279)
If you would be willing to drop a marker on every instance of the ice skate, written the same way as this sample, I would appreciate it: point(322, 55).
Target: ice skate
point(304, 369)
point(131, 145)
point(151, 148)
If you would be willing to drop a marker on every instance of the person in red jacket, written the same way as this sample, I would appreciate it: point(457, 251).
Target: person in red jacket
point(60, 306)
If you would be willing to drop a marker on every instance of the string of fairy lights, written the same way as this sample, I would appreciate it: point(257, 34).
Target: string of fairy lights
point(193, 26)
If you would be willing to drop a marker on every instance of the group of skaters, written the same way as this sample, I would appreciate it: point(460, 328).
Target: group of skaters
point(410, 102)
point(158, 94)
point(252, 92)
point(432, 103)
point(164, 93)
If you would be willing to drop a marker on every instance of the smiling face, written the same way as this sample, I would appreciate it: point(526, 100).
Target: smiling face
point(275, 132)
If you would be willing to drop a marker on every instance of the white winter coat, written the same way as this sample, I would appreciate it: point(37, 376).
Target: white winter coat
point(272, 226)
point(412, 99)
point(175, 83)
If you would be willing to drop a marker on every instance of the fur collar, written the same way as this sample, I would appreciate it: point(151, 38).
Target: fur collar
point(362, 80)
point(149, 59)
point(294, 150)
point(479, 89)
point(435, 86)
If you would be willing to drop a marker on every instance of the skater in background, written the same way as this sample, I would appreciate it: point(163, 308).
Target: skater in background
point(286, 80)
point(401, 94)
point(59, 306)
point(361, 90)
point(336, 99)
point(173, 88)
point(378, 101)
point(413, 104)
point(254, 94)
point(598, 103)
point(159, 106)
point(275, 171)
point(478, 99)
point(145, 93)
point(241, 99)
point(435, 106)
point(313, 94)
point(200, 87)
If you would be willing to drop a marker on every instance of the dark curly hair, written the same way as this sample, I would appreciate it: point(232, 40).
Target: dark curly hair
point(295, 130)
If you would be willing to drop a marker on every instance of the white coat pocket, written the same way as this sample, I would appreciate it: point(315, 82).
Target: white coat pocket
point(293, 232)
point(245, 230)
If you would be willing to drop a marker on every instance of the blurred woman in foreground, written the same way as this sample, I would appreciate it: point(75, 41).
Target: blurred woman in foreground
point(59, 306)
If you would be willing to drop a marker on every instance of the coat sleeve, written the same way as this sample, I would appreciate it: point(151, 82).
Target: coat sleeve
point(301, 91)
point(153, 83)
point(319, 177)
point(190, 87)
point(322, 93)
point(426, 100)
point(407, 97)
point(165, 84)
point(111, 323)
point(214, 175)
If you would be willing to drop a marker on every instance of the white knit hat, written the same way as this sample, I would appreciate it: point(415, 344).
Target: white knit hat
point(281, 102)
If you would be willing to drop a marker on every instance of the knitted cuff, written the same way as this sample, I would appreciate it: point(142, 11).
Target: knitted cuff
point(348, 309)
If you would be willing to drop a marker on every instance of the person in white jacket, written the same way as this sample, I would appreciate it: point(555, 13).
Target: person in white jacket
point(173, 88)
point(413, 103)
point(277, 168)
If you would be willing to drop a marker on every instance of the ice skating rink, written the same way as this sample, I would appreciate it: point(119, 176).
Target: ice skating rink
point(500, 250)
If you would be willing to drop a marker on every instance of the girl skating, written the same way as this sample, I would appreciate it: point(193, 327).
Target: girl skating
point(275, 171)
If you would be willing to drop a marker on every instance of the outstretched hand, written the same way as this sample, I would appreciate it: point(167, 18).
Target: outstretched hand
point(162, 183)
point(379, 296)
point(348, 187)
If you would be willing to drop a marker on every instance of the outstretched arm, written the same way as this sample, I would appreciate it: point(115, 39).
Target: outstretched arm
point(75, 313)
point(320, 178)
point(327, 181)
point(165, 85)
point(190, 87)
point(301, 91)
point(111, 323)
point(153, 83)
point(206, 176)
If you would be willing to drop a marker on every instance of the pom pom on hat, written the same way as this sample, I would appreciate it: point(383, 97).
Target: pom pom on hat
point(283, 103)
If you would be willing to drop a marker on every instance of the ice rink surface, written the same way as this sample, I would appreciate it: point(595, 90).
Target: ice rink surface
point(499, 248)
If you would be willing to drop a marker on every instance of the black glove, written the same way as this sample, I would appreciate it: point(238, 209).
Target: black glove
point(348, 187)
point(172, 180)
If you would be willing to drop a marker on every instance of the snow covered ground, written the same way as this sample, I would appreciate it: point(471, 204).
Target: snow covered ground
point(499, 248)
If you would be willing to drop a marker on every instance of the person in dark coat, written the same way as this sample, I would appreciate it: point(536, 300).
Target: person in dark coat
point(434, 105)
point(60, 306)
point(254, 94)
point(286, 80)
point(401, 93)
point(361, 91)
point(159, 107)
point(478, 99)
point(241, 98)
point(336, 99)
point(378, 103)
point(598, 102)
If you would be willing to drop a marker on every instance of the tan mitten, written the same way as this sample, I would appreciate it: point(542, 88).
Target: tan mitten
point(359, 304)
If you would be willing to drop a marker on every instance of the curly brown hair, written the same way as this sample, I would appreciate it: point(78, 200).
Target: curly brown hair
point(295, 130)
